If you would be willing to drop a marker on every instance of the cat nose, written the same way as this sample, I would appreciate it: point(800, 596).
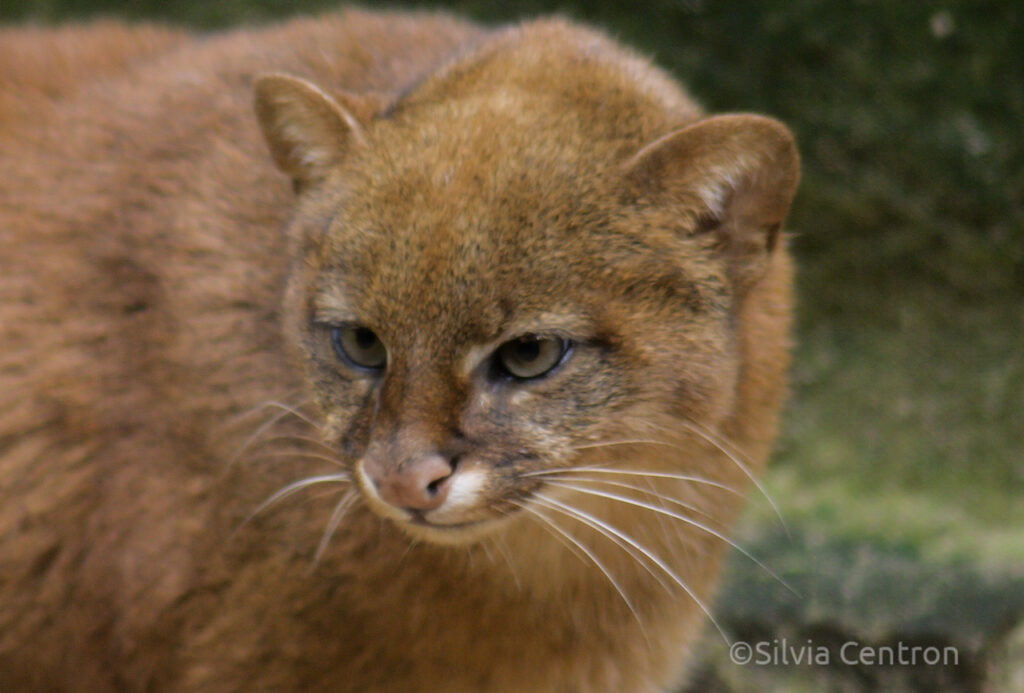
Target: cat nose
point(421, 483)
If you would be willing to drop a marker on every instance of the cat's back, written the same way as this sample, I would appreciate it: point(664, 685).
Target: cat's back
point(141, 264)
point(41, 66)
point(135, 180)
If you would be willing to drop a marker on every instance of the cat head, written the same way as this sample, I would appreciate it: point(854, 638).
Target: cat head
point(494, 276)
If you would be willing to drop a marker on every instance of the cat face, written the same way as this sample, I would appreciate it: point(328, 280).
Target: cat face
point(458, 350)
point(486, 294)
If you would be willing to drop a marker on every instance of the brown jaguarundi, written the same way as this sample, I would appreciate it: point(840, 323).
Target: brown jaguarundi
point(463, 394)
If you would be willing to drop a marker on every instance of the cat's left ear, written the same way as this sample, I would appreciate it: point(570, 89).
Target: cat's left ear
point(308, 130)
point(731, 175)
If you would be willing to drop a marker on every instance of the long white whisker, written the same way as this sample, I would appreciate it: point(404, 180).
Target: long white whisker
point(500, 546)
point(730, 451)
point(629, 547)
point(255, 435)
point(340, 511)
point(294, 488)
point(733, 454)
point(635, 472)
point(294, 412)
point(260, 407)
point(571, 547)
point(548, 524)
point(647, 490)
point(413, 543)
point(682, 518)
point(298, 454)
point(487, 550)
point(304, 439)
point(581, 515)
point(635, 487)
point(626, 441)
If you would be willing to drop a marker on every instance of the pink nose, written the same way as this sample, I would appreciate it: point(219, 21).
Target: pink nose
point(421, 483)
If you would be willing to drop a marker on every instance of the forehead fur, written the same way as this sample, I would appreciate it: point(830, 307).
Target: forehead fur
point(495, 172)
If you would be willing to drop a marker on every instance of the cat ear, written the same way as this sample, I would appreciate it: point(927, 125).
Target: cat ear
point(731, 175)
point(309, 131)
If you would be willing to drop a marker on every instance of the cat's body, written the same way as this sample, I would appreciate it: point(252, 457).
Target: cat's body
point(164, 340)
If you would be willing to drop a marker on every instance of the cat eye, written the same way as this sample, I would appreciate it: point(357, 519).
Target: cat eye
point(359, 347)
point(530, 356)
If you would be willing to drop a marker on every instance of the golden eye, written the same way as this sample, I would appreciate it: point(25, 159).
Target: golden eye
point(530, 356)
point(359, 347)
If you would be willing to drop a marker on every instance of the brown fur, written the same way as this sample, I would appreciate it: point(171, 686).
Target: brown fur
point(456, 188)
point(39, 67)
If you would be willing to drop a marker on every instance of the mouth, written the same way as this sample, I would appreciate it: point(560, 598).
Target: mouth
point(451, 534)
point(418, 520)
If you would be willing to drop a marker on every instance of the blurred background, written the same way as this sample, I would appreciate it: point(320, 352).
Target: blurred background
point(900, 473)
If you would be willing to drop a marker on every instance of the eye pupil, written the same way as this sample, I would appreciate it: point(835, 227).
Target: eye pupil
point(365, 338)
point(527, 349)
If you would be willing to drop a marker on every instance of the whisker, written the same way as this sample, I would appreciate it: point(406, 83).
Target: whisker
point(735, 455)
point(294, 412)
point(322, 494)
point(260, 407)
point(681, 518)
point(575, 547)
point(285, 410)
point(582, 515)
point(298, 454)
point(668, 530)
point(413, 543)
point(260, 430)
point(487, 550)
point(730, 451)
point(304, 439)
point(626, 441)
point(622, 544)
point(294, 488)
point(340, 510)
point(635, 472)
point(503, 550)
point(647, 490)
point(635, 487)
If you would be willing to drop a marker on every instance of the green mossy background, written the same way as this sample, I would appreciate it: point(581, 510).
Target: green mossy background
point(901, 469)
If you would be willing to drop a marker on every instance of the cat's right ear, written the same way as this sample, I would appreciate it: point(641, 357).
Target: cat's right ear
point(732, 176)
point(309, 131)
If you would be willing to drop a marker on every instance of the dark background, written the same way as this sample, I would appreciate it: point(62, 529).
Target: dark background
point(901, 469)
